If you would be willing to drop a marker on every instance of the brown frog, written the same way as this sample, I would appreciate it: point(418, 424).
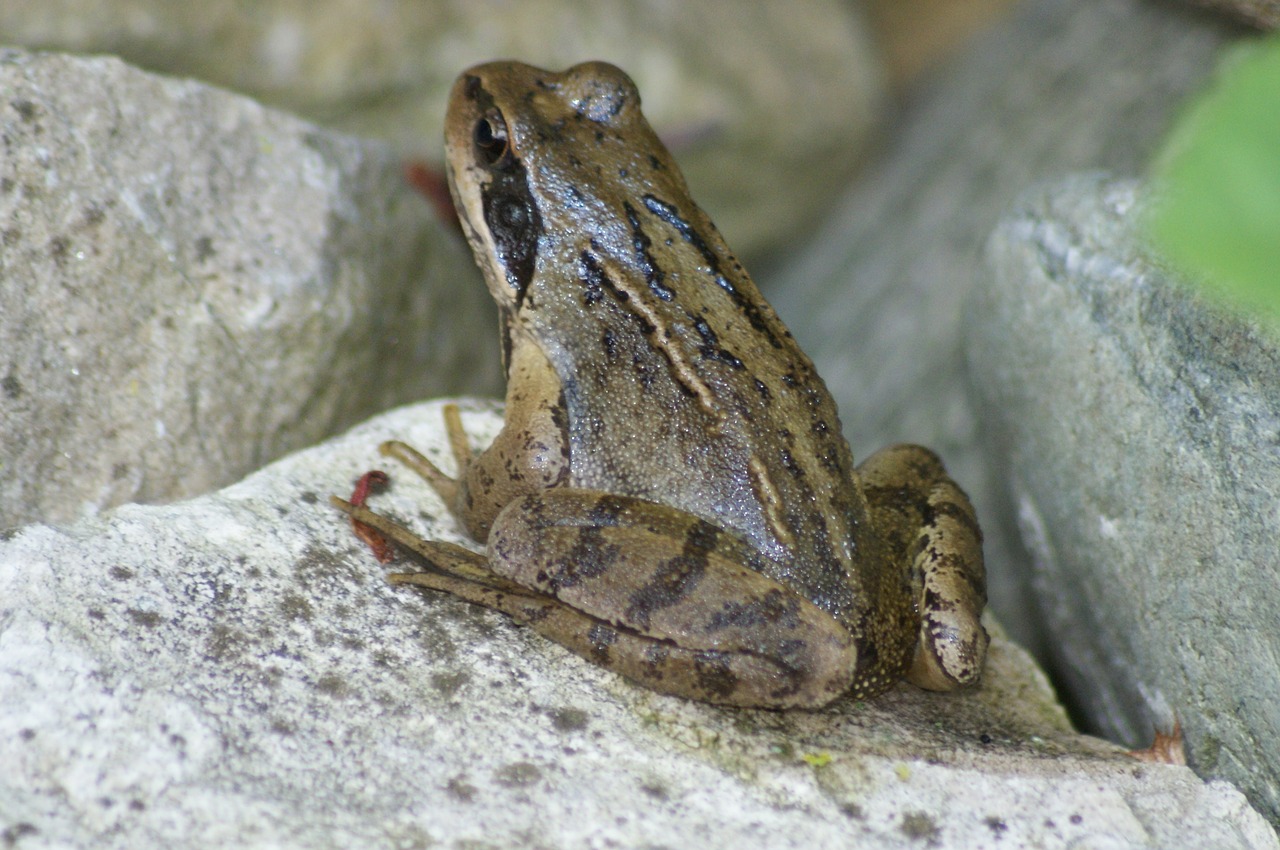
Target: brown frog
point(671, 496)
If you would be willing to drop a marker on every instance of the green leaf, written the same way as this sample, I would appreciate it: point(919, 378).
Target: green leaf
point(1218, 184)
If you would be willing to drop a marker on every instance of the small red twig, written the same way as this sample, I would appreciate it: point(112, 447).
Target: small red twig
point(369, 483)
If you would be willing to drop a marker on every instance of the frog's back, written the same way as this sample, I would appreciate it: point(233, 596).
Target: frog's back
point(688, 390)
point(681, 385)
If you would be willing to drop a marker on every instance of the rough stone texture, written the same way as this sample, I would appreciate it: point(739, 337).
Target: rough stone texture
point(192, 285)
point(876, 298)
point(233, 671)
point(1141, 435)
point(769, 104)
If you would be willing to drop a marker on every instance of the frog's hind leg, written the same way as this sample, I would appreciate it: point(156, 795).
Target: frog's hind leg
point(458, 571)
point(931, 524)
point(727, 678)
point(672, 601)
point(719, 676)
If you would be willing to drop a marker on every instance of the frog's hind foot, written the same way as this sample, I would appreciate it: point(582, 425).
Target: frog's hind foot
point(728, 678)
point(953, 643)
point(945, 562)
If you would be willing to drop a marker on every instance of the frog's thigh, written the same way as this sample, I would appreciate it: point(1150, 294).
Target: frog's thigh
point(931, 523)
point(671, 601)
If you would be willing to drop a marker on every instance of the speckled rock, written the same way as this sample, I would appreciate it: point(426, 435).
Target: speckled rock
point(233, 671)
point(769, 104)
point(192, 285)
point(1140, 431)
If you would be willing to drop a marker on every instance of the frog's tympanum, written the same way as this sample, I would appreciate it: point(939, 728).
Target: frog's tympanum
point(671, 496)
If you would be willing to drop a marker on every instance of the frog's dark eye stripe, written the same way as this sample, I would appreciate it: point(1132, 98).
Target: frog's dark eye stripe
point(514, 222)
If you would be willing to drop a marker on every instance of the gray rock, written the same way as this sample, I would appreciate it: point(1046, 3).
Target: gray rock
point(192, 285)
point(876, 297)
point(1140, 431)
point(233, 671)
point(769, 104)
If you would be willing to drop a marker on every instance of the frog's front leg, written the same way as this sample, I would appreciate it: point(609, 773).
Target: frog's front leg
point(529, 455)
point(658, 595)
point(933, 531)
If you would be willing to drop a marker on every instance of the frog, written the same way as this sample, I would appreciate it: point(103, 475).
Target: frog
point(671, 495)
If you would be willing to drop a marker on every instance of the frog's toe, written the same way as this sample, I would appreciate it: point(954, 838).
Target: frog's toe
point(950, 652)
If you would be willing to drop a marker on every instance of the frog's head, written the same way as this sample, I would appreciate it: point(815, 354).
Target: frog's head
point(538, 159)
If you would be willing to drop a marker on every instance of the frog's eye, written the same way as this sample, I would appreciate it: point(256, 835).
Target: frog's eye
point(490, 138)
